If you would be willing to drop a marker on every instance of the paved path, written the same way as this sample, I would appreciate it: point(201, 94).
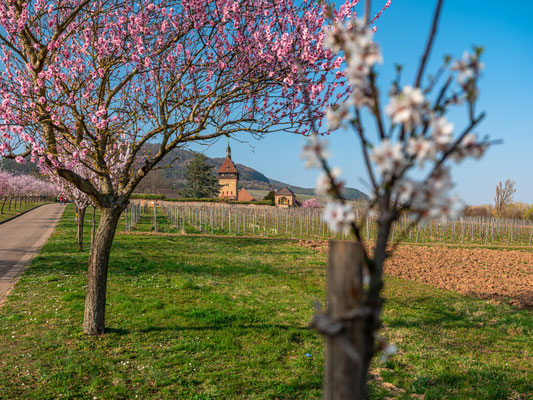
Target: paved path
point(21, 239)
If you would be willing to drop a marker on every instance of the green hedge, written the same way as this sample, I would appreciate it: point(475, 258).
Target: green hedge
point(148, 196)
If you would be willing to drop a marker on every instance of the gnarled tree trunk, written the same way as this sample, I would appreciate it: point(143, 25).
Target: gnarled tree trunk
point(94, 318)
point(80, 218)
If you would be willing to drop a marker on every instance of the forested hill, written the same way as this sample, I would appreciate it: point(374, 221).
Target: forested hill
point(174, 174)
point(248, 177)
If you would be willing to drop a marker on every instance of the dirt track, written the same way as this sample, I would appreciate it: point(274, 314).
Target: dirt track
point(485, 273)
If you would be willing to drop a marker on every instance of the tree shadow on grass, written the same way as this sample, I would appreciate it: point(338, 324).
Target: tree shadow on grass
point(445, 314)
point(485, 382)
point(218, 327)
point(134, 266)
point(117, 331)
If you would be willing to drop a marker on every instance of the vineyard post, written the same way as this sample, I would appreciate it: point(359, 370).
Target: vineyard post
point(155, 217)
point(293, 222)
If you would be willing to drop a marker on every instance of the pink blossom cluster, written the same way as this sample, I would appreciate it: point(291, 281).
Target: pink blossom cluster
point(76, 75)
point(69, 191)
point(78, 160)
point(22, 185)
point(311, 203)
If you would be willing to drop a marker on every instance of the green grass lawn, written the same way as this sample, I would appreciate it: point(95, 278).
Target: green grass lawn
point(16, 210)
point(226, 318)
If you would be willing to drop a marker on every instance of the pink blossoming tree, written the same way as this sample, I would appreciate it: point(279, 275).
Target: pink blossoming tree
point(21, 187)
point(80, 76)
point(407, 164)
point(80, 199)
point(311, 203)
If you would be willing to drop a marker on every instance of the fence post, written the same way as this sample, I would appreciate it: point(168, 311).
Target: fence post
point(343, 365)
point(155, 217)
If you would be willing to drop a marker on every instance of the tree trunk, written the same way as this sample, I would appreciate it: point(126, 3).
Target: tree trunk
point(345, 376)
point(80, 217)
point(93, 226)
point(94, 318)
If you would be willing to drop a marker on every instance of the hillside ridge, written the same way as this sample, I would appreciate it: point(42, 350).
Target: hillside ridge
point(249, 178)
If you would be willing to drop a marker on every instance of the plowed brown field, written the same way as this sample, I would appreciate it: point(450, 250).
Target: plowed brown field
point(485, 273)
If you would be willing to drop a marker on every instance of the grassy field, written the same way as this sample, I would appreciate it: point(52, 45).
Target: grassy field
point(226, 318)
point(14, 211)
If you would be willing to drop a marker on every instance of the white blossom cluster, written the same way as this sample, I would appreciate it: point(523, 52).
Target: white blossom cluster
point(314, 151)
point(361, 54)
point(337, 215)
point(468, 67)
point(430, 200)
point(426, 136)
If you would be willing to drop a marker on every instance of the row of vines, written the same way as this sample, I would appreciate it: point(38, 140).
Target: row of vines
point(301, 223)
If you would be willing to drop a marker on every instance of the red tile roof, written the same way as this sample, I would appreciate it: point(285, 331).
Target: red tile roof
point(245, 196)
point(227, 166)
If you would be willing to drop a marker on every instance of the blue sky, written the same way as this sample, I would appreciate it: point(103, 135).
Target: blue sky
point(506, 94)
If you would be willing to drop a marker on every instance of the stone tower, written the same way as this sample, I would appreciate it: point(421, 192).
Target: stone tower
point(228, 177)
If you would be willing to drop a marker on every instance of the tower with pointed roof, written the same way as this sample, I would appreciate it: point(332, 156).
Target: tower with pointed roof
point(228, 177)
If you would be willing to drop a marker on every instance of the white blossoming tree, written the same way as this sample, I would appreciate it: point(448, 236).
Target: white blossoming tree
point(413, 139)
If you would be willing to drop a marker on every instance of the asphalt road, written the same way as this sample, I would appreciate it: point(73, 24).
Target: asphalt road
point(21, 239)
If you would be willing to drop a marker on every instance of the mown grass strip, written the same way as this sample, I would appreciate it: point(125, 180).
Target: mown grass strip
point(15, 211)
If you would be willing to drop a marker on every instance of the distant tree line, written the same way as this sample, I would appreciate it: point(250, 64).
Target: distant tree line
point(504, 206)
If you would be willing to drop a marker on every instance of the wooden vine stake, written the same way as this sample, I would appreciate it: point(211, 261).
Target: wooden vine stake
point(342, 324)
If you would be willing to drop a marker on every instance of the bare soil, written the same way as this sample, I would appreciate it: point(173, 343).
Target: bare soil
point(500, 275)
